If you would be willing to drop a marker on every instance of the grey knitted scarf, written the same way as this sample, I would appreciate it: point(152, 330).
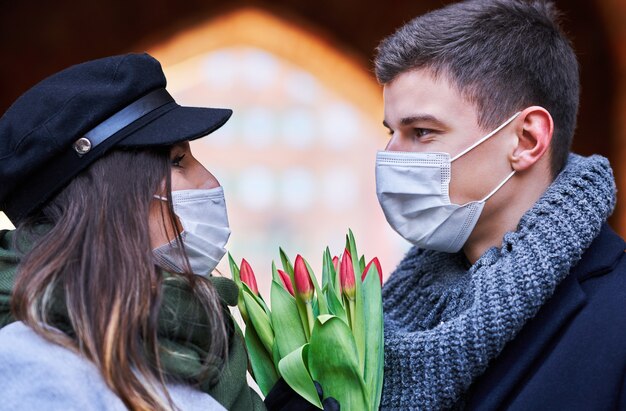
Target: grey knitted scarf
point(445, 320)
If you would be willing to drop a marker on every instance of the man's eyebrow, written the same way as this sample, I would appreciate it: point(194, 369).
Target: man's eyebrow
point(421, 118)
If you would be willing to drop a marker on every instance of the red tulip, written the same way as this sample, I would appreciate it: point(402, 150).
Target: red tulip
point(367, 269)
point(286, 281)
point(247, 276)
point(336, 262)
point(304, 285)
point(346, 275)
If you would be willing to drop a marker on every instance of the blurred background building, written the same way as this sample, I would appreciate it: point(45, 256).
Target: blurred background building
point(297, 158)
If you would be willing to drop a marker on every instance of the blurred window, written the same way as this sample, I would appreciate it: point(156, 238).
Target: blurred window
point(296, 160)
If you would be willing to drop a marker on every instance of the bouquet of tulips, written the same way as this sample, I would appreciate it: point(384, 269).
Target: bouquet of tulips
point(331, 334)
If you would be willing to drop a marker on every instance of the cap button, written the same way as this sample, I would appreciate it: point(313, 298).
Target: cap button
point(82, 146)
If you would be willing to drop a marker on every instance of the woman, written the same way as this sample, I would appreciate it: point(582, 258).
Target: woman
point(106, 296)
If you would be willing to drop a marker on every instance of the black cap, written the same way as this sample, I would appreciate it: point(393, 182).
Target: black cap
point(67, 121)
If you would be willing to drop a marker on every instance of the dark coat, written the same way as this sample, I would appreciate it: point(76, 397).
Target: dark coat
point(572, 355)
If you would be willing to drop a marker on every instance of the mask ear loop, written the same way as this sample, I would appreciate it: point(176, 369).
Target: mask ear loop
point(482, 140)
point(498, 187)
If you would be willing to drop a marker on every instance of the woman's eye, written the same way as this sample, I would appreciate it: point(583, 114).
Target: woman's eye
point(176, 160)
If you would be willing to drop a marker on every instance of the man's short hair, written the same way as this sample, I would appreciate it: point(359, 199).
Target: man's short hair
point(502, 56)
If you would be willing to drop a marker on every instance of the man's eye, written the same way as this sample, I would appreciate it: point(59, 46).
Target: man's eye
point(421, 132)
point(176, 160)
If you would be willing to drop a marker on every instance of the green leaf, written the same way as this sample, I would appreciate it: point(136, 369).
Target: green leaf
point(276, 358)
point(316, 308)
point(234, 269)
point(327, 274)
point(242, 288)
point(358, 327)
point(335, 306)
point(333, 362)
point(257, 298)
point(262, 363)
point(288, 328)
point(353, 253)
point(361, 264)
point(260, 321)
point(302, 312)
point(332, 273)
point(322, 305)
point(242, 308)
point(374, 354)
point(287, 266)
point(294, 370)
point(275, 275)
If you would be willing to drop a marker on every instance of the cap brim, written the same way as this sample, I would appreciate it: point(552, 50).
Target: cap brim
point(176, 125)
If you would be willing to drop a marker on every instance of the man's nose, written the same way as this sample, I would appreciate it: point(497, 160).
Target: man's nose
point(395, 143)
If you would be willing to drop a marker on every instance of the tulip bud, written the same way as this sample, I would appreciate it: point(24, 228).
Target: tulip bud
point(286, 281)
point(247, 276)
point(367, 269)
point(346, 276)
point(336, 263)
point(304, 286)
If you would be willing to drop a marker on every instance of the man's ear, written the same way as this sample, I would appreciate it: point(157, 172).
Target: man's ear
point(534, 134)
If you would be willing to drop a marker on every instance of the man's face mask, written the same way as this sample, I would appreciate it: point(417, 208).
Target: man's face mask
point(413, 191)
point(202, 214)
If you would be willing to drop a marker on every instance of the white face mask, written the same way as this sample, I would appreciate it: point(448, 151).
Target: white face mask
point(202, 214)
point(413, 191)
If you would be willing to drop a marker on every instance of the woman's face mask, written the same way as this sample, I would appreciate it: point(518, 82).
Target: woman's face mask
point(202, 213)
point(199, 204)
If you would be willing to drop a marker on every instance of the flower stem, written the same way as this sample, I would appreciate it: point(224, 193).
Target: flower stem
point(309, 316)
point(352, 313)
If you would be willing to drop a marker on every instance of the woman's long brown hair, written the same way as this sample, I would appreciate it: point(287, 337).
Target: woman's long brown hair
point(95, 255)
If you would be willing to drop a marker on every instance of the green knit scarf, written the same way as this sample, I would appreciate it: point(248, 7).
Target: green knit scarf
point(181, 334)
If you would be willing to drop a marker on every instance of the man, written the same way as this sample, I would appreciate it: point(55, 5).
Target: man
point(513, 296)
